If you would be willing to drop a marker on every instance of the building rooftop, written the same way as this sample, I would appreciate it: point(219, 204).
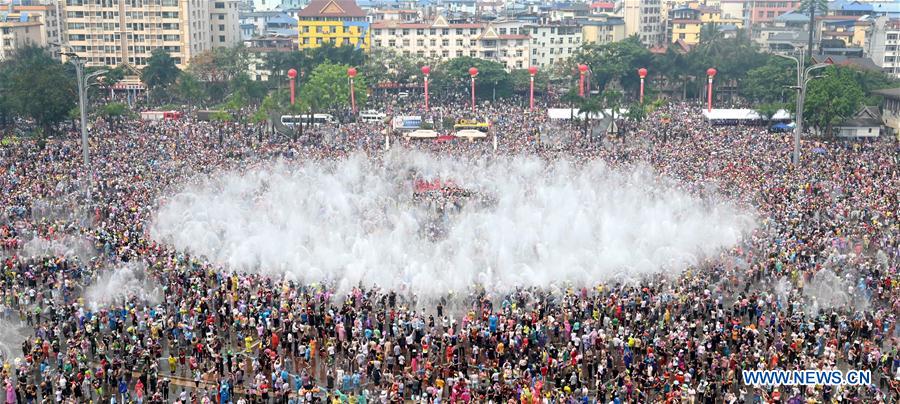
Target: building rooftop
point(332, 8)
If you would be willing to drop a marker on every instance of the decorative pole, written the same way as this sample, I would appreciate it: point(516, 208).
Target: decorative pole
point(426, 70)
point(710, 73)
point(532, 71)
point(473, 72)
point(582, 69)
point(351, 72)
point(292, 74)
point(642, 73)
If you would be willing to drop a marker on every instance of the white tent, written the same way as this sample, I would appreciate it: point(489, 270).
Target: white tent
point(422, 134)
point(470, 134)
point(742, 114)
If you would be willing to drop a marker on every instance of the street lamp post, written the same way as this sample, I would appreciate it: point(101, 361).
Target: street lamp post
point(82, 81)
point(802, 81)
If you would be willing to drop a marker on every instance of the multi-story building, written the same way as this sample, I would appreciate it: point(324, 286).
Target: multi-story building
point(113, 32)
point(602, 29)
point(764, 11)
point(644, 19)
point(554, 43)
point(883, 44)
point(48, 15)
point(684, 24)
point(18, 33)
point(224, 24)
point(441, 40)
point(340, 22)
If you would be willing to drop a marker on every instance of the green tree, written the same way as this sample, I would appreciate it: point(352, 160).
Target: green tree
point(766, 84)
point(832, 98)
point(521, 79)
point(587, 108)
point(190, 89)
point(37, 86)
point(452, 77)
point(617, 61)
point(160, 71)
point(328, 89)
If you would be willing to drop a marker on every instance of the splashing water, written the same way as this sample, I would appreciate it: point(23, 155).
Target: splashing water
point(123, 283)
point(827, 290)
point(354, 221)
point(63, 246)
point(11, 339)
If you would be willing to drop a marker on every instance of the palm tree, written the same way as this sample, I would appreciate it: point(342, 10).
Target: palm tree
point(812, 6)
point(589, 106)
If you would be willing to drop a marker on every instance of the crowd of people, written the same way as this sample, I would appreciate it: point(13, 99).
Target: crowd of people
point(222, 336)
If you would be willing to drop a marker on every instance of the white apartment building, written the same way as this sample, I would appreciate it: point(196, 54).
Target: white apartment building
point(645, 19)
point(554, 43)
point(441, 40)
point(883, 45)
point(113, 32)
point(224, 20)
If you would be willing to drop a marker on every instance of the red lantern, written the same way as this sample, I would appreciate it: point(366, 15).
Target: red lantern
point(532, 70)
point(711, 72)
point(351, 72)
point(425, 71)
point(642, 73)
point(582, 69)
point(292, 74)
point(473, 71)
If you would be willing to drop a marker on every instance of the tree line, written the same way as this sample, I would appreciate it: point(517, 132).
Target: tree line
point(38, 87)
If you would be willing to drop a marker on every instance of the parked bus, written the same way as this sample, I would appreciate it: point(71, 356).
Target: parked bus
point(372, 116)
point(317, 120)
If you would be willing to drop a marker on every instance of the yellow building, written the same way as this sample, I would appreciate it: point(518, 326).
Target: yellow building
point(685, 24)
point(339, 22)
